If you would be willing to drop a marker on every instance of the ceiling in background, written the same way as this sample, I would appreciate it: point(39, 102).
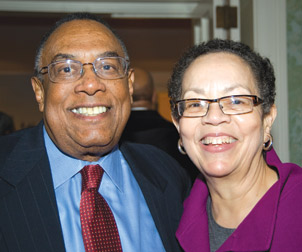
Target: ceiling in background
point(115, 8)
point(121, 1)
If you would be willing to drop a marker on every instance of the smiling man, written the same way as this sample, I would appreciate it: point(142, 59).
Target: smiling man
point(83, 86)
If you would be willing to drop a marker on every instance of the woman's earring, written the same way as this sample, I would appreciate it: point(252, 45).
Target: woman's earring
point(269, 144)
point(180, 147)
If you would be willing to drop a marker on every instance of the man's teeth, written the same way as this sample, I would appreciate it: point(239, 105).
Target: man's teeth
point(90, 111)
point(218, 140)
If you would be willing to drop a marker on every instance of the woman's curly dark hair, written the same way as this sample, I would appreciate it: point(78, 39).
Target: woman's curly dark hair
point(261, 67)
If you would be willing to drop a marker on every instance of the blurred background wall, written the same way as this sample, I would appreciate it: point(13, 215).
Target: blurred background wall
point(294, 59)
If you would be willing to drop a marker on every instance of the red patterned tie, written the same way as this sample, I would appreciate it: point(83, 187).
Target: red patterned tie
point(99, 229)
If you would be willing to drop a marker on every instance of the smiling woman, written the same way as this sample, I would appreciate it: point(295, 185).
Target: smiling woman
point(222, 99)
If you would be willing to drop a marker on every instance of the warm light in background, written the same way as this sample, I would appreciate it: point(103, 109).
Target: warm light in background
point(164, 105)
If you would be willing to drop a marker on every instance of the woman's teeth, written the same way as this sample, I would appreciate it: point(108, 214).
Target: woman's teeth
point(218, 140)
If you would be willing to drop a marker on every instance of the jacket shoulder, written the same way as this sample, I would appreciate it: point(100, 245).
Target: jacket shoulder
point(8, 143)
point(146, 153)
point(17, 152)
point(156, 164)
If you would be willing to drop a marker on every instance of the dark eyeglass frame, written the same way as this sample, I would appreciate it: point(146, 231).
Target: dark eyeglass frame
point(126, 63)
point(255, 99)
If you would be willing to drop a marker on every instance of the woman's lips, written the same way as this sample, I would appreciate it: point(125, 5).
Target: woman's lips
point(218, 142)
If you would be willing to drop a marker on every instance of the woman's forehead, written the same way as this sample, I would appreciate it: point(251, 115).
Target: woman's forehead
point(224, 71)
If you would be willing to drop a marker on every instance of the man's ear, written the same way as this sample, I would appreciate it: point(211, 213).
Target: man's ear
point(39, 92)
point(268, 122)
point(130, 83)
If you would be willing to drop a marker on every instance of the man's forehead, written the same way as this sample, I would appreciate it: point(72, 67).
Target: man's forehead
point(76, 35)
point(89, 29)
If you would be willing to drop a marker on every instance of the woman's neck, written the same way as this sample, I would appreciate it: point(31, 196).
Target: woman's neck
point(233, 197)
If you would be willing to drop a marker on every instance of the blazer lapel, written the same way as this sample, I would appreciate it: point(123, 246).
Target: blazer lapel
point(153, 186)
point(35, 224)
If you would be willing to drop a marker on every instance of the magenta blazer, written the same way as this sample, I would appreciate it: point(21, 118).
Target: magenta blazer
point(274, 224)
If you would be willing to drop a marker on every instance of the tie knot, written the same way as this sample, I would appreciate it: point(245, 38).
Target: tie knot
point(91, 176)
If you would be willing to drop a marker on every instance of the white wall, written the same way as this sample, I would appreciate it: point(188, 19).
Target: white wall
point(270, 40)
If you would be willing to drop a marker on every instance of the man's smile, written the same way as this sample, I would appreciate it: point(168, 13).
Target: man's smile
point(90, 111)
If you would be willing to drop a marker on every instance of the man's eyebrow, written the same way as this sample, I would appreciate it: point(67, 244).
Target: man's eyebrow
point(108, 54)
point(61, 56)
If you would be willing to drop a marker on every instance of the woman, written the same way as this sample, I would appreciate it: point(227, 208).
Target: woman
point(222, 98)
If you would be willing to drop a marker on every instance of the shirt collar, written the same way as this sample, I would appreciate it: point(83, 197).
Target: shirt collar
point(139, 109)
point(64, 167)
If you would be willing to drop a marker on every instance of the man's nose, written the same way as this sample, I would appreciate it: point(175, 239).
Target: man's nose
point(89, 82)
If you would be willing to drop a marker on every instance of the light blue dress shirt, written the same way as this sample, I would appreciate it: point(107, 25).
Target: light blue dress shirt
point(119, 188)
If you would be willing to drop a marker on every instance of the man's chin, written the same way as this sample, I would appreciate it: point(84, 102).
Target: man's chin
point(97, 148)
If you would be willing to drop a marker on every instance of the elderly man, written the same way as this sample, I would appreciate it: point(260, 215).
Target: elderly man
point(50, 198)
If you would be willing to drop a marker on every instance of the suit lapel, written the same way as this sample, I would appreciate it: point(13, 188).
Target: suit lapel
point(153, 186)
point(35, 224)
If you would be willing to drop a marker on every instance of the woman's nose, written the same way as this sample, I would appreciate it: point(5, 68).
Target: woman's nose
point(215, 115)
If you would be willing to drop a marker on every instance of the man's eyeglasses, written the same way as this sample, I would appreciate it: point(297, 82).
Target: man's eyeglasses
point(229, 105)
point(107, 68)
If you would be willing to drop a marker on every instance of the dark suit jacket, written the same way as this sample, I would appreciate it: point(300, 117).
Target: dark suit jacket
point(29, 219)
point(148, 127)
point(6, 124)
